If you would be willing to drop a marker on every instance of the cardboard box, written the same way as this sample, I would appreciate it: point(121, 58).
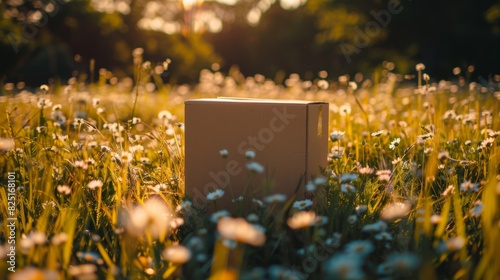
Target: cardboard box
point(289, 138)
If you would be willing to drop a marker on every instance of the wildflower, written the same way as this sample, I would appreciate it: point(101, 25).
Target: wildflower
point(336, 135)
point(90, 256)
point(395, 210)
point(377, 133)
point(38, 238)
point(488, 142)
point(420, 67)
point(301, 219)
point(176, 254)
point(239, 198)
point(80, 164)
point(443, 155)
point(449, 189)
point(302, 204)
point(187, 205)
point(360, 209)
point(365, 170)
point(345, 109)
point(353, 86)
point(255, 167)
point(384, 175)
point(320, 181)
point(308, 249)
point(249, 154)
point(347, 188)
point(30, 272)
point(44, 103)
point(95, 102)
point(51, 203)
point(160, 187)
point(323, 84)
point(360, 248)
point(426, 136)
point(394, 143)
point(320, 220)
point(136, 120)
point(493, 134)
point(105, 149)
point(239, 230)
point(223, 153)
point(83, 271)
point(341, 266)
point(258, 202)
point(352, 219)
point(477, 209)
point(94, 184)
point(201, 257)
point(275, 198)
point(229, 243)
point(152, 217)
point(396, 161)
point(114, 127)
point(453, 244)
point(348, 177)
point(78, 121)
point(176, 222)
point(334, 240)
point(384, 236)
point(277, 272)
point(435, 219)
point(215, 194)
point(195, 243)
point(41, 129)
point(165, 115)
point(216, 216)
point(399, 263)
point(136, 148)
point(56, 107)
point(468, 186)
point(449, 115)
point(253, 218)
point(310, 186)
point(59, 238)
point(144, 160)
point(337, 152)
point(64, 189)
point(26, 244)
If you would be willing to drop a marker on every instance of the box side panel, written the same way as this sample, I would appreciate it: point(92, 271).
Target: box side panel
point(284, 153)
point(317, 139)
point(275, 132)
point(211, 128)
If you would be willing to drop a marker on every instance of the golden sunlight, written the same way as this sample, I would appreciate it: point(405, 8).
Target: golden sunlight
point(188, 4)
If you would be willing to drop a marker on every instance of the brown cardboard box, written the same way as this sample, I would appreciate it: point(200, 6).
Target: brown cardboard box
point(289, 138)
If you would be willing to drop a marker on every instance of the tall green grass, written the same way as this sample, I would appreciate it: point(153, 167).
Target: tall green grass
point(411, 189)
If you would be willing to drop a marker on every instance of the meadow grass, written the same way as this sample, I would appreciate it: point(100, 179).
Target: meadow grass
point(411, 189)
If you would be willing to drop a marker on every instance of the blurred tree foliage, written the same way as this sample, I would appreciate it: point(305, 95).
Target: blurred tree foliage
point(40, 39)
point(73, 33)
point(349, 36)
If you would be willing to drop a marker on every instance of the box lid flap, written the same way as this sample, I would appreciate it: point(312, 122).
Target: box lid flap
point(252, 100)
